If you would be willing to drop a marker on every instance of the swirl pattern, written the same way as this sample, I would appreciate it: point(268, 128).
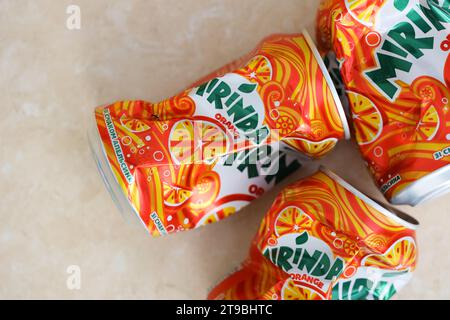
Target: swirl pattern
point(398, 90)
point(186, 161)
point(322, 239)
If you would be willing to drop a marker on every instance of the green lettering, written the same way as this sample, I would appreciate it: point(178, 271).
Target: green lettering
point(380, 291)
point(220, 92)
point(445, 5)
point(201, 90)
point(302, 239)
point(258, 136)
point(309, 261)
point(346, 290)
point(404, 34)
point(267, 254)
point(401, 4)
point(248, 124)
point(389, 46)
point(211, 85)
point(361, 289)
point(336, 269)
point(437, 14)
point(298, 253)
point(273, 256)
point(245, 118)
point(251, 168)
point(284, 170)
point(284, 255)
point(232, 99)
point(418, 21)
point(341, 290)
point(322, 266)
point(247, 165)
point(386, 71)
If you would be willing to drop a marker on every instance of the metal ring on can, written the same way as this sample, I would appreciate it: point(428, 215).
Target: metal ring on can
point(127, 139)
point(160, 158)
point(272, 116)
point(378, 152)
point(336, 245)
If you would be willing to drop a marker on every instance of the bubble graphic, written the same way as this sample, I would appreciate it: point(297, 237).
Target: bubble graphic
point(274, 114)
point(158, 156)
point(338, 243)
point(126, 141)
point(378, 152)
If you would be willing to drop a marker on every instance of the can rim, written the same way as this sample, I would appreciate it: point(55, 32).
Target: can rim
point(337, 100)
point(109, 179)
point(386, 210)
point(438, 178)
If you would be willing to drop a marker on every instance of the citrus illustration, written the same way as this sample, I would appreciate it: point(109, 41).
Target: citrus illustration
point(367, 119)
point(316, 149)
point(285, 120)
point(364, 11)
point(292, 291)
point(347, 245)
point(259, 69)
point(206, 189)
point(429, 90)
point(175, 196)
point(292, 220)
point(134, 125)
point(428, 125)
point(426, 91)
point(341, 243)
point(216, 216)
point(432, 92)
point(376, 242)
point(401, 256)
point(197, 141)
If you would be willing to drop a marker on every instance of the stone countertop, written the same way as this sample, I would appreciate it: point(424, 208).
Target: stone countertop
point(55, 211)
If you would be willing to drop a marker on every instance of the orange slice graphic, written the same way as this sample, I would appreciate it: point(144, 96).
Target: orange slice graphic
point(134, 125)
point(291, 291)
point(259, 69)
point(175, 196)
point(401, 255)
point(364, 11)
point(284, 120)
point(197, 142)
point(367, 120)
point(428, 125)
point(292, 220)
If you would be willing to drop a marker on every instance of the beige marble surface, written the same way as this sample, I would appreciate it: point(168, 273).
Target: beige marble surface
point(54, 209)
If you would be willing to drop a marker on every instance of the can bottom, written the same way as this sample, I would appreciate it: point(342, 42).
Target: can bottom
point(425, 189)
point(98, 152)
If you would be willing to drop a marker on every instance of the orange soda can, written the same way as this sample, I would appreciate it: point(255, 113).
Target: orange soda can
point(324, 240)
point(394, 59)
point(200, 156)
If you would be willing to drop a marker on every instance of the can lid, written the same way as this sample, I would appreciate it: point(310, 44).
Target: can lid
point(330, 83)
point(431, 186)
point(390, 212)
point(121, 201)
